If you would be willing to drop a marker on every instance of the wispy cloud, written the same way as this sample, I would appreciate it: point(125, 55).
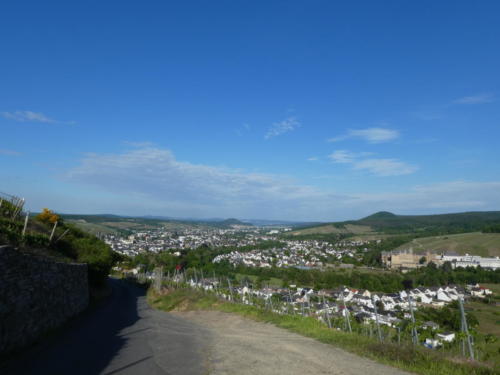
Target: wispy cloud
point(343, 157)
point(30, 116)
point(243, 129)
point(385, 167)
point(475, 99)
point(427, 115)
point(312, 158)
point(9, 152)
point(370, 135)
point(285, 126)
point(151, 180)
point(156, 174)
point(376, 166)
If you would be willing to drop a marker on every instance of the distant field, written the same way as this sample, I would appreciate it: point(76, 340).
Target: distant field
point(92, 227)
point(475, 243)
point(113, 225)
point(330, 228)
point(273, 282)
point(488, 316)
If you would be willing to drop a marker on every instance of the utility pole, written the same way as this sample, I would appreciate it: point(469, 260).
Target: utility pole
point(230, 289)
point(53, 231)
point(346, 312)
point(215, 282)
point(465, 329)
point(18, 207)
point(202, 281)
point(414, 333)
point(271, 302)
point(26, 223)
point(158, 278)
point(327, 312)
point(376, 320)
point(293, 307)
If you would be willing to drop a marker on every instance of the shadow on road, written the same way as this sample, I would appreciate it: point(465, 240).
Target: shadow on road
point(90, 342)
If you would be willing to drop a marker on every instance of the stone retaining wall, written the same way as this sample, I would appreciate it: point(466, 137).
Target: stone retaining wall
point(37, 294)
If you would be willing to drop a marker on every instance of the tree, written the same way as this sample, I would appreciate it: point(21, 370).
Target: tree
point(408, 284)
point(380, 305)
point(447, 267)
point(47, 216)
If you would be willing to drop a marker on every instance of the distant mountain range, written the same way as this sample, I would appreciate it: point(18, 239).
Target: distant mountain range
point(256, 222)
point(382, 222)
point(206, 221)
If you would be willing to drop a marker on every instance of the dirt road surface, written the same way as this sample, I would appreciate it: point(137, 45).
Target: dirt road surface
point(242, 346)
point(125, 336)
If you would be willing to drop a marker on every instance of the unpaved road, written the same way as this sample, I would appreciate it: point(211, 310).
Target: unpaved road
point(242, 346)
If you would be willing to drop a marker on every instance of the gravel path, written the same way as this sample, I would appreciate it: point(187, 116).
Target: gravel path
point(243, 346)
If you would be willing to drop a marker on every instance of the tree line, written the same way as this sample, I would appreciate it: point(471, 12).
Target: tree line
point(371, 279)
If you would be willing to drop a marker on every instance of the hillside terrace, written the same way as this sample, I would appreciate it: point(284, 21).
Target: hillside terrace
point(363, 305)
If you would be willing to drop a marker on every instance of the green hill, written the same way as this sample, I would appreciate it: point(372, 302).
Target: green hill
point(476, 243)
point(107, 224)
point(388, 223)
point(231, 222)
point(443, 223)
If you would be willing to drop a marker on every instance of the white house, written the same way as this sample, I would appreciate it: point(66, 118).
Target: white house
point(446, 336)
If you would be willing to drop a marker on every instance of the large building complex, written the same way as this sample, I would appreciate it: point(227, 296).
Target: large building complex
point(408, 258)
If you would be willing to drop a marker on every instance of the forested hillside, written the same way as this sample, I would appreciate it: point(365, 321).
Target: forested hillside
point(428, 225)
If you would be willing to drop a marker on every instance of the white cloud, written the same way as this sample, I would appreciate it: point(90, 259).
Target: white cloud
point(437, 198)
point(343, 156)
point(370, 135)
point(475, 99)
point(285, 126)
point(385, 167)
point(30, 116)
point(154, 174)
point(150, 180)
point(312, 158)
point(376, 166)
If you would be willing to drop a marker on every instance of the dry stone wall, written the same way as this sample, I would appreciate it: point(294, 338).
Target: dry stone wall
point(36, 295)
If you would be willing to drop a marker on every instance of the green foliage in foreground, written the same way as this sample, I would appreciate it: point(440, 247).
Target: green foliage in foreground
point(69, 243)
point(418, 360)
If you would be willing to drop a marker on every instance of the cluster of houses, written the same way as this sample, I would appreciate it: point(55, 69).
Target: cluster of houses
point(409, 258)
point(304, 254)
point(309, 253)
point(364, 306)
point(161, 239)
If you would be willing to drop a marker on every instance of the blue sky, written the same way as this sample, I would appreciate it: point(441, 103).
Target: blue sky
point(300, 110)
